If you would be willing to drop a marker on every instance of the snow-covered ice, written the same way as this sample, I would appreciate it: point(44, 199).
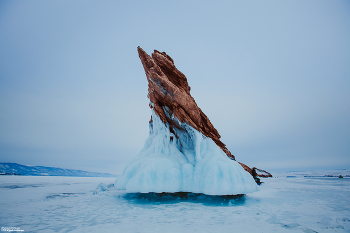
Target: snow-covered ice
point(189, 163)
point(68, 204)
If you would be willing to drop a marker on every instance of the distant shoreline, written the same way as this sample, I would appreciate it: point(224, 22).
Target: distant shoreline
point(15, 169)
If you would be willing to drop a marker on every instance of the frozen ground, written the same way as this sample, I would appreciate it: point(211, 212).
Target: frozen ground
point(71, 204)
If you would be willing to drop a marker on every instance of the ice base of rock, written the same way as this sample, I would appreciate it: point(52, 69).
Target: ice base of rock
point(190, 163)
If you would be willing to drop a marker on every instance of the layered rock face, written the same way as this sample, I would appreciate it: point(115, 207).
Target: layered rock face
point(170, 98)
point(169, 92)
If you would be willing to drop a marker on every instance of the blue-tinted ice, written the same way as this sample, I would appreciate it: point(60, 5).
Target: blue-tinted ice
point(67, 204)
point(190, 163)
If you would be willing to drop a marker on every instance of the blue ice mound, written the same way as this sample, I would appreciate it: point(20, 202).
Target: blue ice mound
point(190, 162)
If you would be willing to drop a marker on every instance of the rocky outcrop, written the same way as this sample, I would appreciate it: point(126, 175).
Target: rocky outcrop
point(170, 98)
point(262, 173)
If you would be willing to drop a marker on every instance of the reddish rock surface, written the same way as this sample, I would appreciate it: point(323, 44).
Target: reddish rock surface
point(262, 173)
point(169, 93)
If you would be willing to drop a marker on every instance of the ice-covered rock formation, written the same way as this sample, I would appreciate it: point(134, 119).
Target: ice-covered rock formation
point(169, 94)
point(183, 152)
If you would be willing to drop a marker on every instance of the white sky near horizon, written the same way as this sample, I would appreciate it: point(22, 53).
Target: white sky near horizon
point(272, 76)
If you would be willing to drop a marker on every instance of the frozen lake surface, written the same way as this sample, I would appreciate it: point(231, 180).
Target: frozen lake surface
point(73, 204)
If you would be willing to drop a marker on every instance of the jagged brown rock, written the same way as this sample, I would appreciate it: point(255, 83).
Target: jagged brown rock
point(169, 93)
point(262, 173)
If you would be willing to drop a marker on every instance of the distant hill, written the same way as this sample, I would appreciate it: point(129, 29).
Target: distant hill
point(18, 169)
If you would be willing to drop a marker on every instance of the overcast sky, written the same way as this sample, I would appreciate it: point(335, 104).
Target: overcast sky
point(272, 76)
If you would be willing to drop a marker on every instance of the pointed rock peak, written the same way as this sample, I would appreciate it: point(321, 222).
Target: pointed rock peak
point(170, 98)
point(169, 92)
